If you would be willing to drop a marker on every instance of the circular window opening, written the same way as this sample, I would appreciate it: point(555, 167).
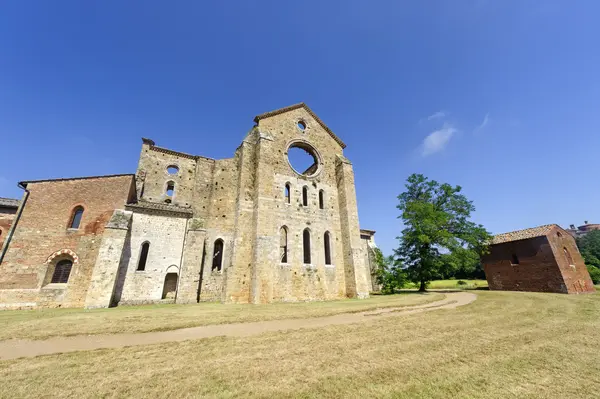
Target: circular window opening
point(172, 170)
point(303, 159)
point(302, 125)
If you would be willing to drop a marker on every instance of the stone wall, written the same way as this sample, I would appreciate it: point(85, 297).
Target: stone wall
point(43, 237)
point(165, 234)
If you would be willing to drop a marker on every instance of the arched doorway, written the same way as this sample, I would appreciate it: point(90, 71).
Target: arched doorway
point(170, 287)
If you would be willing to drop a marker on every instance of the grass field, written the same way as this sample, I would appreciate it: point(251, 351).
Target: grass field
point(40, 324)
point(504, 345)
point(454, 284)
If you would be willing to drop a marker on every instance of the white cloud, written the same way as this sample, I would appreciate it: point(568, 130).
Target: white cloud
point(437, 140)
point(486, 121)
point(437, 115)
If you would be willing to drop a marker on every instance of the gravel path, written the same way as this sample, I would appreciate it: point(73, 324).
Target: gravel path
point(13, 349)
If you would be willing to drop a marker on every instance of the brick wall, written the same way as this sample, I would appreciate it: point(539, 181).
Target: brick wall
point(571, 264)
point(7, 215)
point(542, 265)
point(537, 269)
point(43, 230)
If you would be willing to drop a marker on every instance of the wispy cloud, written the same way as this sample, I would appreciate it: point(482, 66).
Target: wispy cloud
point(484, 123)
point(437, 115)
point(437, 140)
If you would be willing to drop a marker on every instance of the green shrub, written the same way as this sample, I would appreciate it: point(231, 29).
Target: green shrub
point(594, 274)
point(461, 282)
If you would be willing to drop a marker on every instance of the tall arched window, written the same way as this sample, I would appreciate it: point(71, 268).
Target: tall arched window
point(217, 262)
point(62, 270)
point(286, 193)
point(327, 245)
point(76, 217)
point(170, 188)
point(143, 256)
point(321, 199)
point(305, 196)
point(283, 245)
point(306, 245)
point(568, 256)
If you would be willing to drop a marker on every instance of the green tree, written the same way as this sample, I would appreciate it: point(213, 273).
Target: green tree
point(589, 246)
point(389, 273)
point(438, 232)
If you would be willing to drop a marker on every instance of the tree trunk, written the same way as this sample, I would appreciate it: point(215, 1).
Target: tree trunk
point(422, 287)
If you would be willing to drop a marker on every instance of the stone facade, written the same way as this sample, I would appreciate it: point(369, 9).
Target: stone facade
point(186, 228)
point(544, 259)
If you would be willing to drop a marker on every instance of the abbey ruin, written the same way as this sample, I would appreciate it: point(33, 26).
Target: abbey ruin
point(186, 228)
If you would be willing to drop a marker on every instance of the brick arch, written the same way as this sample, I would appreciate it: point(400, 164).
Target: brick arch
point(72, 254)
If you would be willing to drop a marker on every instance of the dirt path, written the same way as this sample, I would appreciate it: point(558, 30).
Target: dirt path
point(25, 348)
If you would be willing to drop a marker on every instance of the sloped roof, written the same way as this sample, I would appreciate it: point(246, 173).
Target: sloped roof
point(9, 202)
point(296, 106)
point(24, 183)
point(523, 234)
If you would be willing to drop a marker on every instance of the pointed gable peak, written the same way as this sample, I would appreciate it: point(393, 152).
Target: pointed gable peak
point(269, 114)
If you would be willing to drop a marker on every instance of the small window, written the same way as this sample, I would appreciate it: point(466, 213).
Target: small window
point(217, 262)
point(62, 272)
point(558, 234)
point(283, 245)
point(568, 256)
point(321, 199)
point(327, 245)
point(305, 196)
point(170, 188)
point(172, 170)
point(514, 259)
point(76, 217)
point(301, 125)
point(306, 245)
point(143, 256)
point(287, 193)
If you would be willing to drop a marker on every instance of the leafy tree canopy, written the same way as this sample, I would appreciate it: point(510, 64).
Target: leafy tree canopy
point(589, 246)
point(438, 233)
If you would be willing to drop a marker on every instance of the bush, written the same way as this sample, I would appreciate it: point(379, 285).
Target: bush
point(461, 282)
point(594, 274)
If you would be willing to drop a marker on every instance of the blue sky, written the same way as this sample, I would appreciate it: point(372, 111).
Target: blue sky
point(501, 97)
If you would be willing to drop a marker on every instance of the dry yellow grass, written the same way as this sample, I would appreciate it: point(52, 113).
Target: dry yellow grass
point(40, 324)
point(504, 345)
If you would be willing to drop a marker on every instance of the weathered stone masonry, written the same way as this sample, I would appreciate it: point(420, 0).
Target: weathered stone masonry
point(186, 228)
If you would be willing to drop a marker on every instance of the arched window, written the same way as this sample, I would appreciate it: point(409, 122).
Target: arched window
point(283, 245)
point(62, 270)
point(327, 245)
point(286, 193)
point(321, 199)
point(170, 188)
point(568, 256)
point(217, 262)
point(170, 287)
point(306, 245)
point(143, 256)
point(305, 196)
point(76, 217)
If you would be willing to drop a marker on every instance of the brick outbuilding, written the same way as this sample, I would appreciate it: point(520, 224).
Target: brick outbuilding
point(543, 259)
